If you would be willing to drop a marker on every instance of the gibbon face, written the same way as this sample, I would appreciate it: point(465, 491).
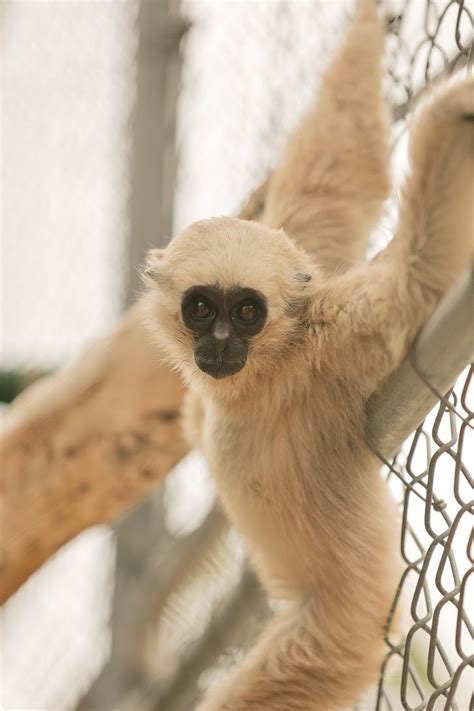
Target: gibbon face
point(225, 298)
point(222, 322)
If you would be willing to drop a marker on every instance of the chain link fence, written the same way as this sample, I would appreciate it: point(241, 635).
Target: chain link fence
point(430, 667)
point(249, 71)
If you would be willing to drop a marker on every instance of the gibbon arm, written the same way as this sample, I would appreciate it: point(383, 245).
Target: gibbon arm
point(374, 313)
point(255, 205)
point(334, 176)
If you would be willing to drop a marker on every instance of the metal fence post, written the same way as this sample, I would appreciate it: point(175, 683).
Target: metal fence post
point(152, 175)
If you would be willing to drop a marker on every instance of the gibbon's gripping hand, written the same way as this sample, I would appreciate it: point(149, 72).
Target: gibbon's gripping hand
point(373, 313)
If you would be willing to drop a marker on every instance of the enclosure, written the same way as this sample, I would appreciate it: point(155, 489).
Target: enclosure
point(122, 122)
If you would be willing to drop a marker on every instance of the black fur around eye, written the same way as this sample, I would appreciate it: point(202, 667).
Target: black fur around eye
point(247, 312)
point(200, 309)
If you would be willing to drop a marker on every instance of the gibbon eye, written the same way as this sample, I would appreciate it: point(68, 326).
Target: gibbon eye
point(248, 312)
point(199, 309)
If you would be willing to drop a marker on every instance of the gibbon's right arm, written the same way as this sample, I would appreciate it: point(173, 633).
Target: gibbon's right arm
point(329, 188)
point(373, 313)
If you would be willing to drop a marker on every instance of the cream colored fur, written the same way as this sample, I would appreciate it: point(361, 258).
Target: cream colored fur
point(284, 438)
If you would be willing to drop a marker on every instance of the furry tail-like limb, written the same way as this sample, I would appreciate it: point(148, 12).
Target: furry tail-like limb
point(335, 175)
point(307, 661)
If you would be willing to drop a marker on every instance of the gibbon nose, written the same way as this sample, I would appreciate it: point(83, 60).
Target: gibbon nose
point(221, 337)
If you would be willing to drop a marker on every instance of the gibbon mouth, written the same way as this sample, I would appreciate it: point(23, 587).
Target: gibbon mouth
point(219, 369)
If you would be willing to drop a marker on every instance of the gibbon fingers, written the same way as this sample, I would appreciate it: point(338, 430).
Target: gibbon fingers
point(281, 351)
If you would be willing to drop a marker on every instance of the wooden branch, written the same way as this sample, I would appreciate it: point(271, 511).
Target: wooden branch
point(81, 446)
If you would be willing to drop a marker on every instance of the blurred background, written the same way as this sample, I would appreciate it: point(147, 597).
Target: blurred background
point(122, 121)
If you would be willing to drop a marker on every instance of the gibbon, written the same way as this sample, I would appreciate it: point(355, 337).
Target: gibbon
point(282, 345)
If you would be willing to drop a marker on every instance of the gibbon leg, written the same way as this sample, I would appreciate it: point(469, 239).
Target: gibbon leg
point(319, 657)
point(376, 311)
point(328, 191)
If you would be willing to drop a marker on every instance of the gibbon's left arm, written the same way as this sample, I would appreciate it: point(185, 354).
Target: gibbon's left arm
point(255, 204)
point(365, 320)
point(328, 190)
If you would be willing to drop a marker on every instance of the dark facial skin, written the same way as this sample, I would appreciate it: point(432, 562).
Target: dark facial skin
point(223, 323)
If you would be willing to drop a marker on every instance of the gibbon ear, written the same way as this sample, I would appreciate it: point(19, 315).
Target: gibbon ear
point(298, 307)
point(153, 267)
point(302, 277)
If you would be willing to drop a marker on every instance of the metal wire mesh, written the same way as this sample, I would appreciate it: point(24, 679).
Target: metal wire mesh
point(436, 486)
point(434, 657)
point(441, 43)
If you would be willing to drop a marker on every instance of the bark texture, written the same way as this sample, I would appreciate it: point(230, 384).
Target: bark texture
point(81, 446)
